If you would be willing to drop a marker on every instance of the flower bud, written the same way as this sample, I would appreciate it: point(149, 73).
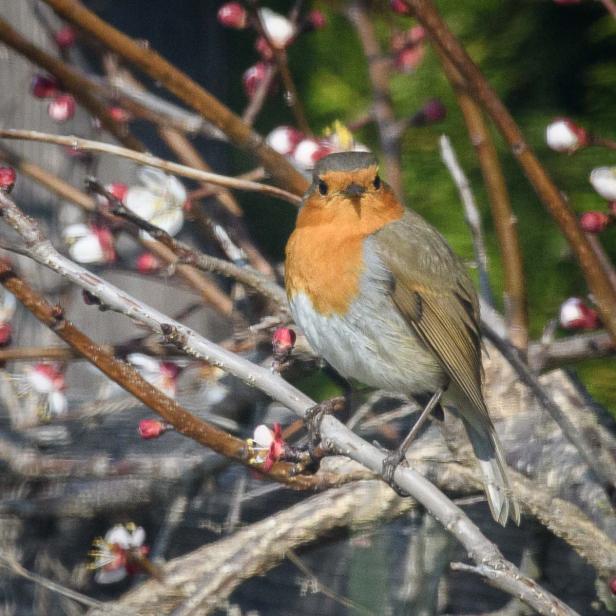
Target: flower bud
point(65, 37)
point(400, 7)
point(6, 334)
point(315, 20)
point(575, 314)
point(233, 15)
point(612, 585)
point(62, 108)
point(278, 29)
point(147, 263)
point(309, 151)
point(284, 139)
point(432, 112)
point(283, 340)
point(603, 180)
point(7, 179)
point(152, 428)
point(563, 135)
point(253, 77)
point(119, 114)
point(43, 86)
point(595, 222)
point(264, 49)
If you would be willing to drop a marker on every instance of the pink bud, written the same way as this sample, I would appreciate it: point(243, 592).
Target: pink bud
point(309, 151)
point(283, 340)
point(433, 111)
point(253, 77)
point(147, 263)
point(594, 222)
point(612, 585)
point(119, 114)
point(315, 20)
point(409, 58)
point(62, 108)
point(152, 428)
point(284, 139)
point(563, 135)
point(264, 49)
point(575, 314)
point(43, 86)
point(65, 37)
point(118, 190)
point(232, 15)
point(7, 179)
point(6, 334)
point(400, 7)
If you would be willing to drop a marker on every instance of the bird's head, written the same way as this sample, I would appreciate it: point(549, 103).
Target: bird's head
point(346, 187)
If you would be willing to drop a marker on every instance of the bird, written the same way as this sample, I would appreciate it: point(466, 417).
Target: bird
point(382, 297)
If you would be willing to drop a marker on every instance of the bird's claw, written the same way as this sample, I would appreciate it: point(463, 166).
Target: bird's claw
point(313, 419)
point(390, 463)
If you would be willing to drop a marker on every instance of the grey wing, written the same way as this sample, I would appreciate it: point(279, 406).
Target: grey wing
point(434, 294)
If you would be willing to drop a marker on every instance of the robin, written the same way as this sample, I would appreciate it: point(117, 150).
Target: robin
point(381, 297)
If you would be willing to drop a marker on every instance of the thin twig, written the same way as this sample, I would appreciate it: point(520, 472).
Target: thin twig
point(548, 192)
point(378, 71)
point(184, 88)
point(505, 223)
point(471, 214)
point(189, 256)
point(87, 145)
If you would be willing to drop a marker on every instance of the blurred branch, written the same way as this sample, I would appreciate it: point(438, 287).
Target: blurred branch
point(129, 379)
point(610, 7)
point(471, 214)
point(87, 145)
point(505, 222)
point(547, 191)
point(605, 474)
point(334, 434)
point(74, 82)
point(184, 88)
point(378, 71)
point(189, 256)
point(207, 288)
point(12, 565)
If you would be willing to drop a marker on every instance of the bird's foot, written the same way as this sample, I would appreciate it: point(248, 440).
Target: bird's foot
point(390, 463)
point(313, 419)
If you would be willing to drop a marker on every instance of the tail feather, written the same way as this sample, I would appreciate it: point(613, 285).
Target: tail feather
point(488, 450)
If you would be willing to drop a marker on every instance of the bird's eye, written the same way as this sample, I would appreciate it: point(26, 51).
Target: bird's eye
point(322, 187)
point(377, 182)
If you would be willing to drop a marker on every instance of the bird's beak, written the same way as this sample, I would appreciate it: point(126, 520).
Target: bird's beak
point(354, 190)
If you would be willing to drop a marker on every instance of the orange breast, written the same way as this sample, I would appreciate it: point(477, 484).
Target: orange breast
point(324, 255)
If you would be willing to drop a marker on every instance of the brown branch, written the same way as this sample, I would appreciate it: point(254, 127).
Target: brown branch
point(129, 379)
point(184, 88)
point(549, 194)
point(74, 82)
point(378, 70)
point(87, 145)
point(210, 292)
point(505, 223)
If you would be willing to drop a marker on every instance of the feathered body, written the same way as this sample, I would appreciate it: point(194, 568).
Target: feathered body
point(382, 298)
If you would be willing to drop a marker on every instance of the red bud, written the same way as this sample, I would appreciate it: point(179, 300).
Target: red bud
point(400, 7)
point(594, 222)
point(43, 86)
point(62, 108)
point(65, 37)
point(283, 340)
point(7, 178)
point(152, 428)
point(433, 111)
point(613, 585)
point(232, 15)
point(6, 333)
point(253, 77)
point(147, 263)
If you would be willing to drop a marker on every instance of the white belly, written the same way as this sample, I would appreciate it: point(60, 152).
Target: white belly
point(371, 343)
